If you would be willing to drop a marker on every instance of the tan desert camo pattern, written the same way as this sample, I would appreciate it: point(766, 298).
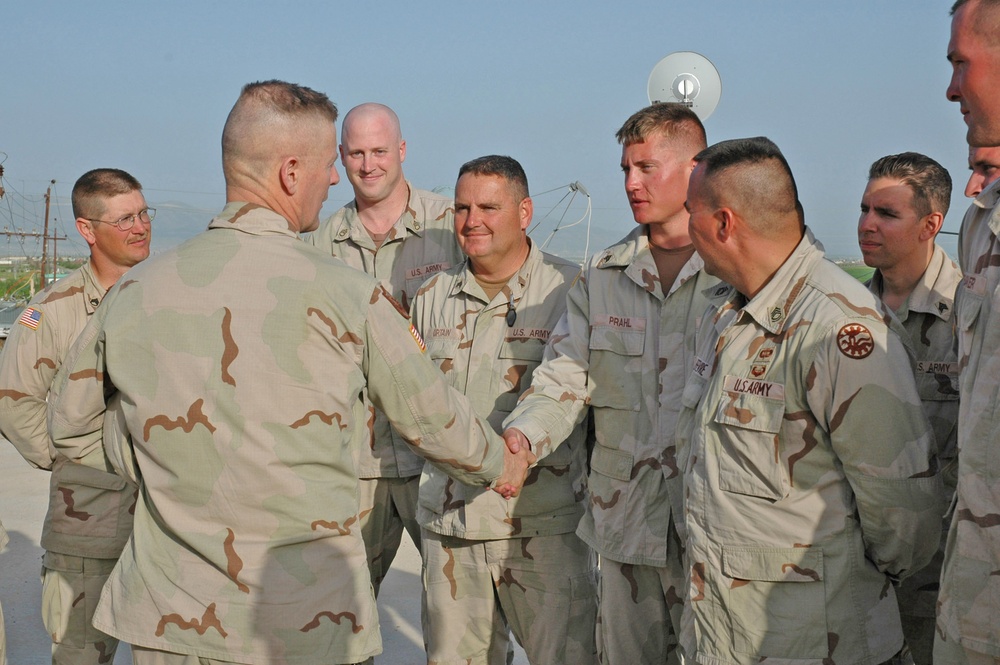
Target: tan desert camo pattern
point(240, 357)
point(491, 364)
point(928, 318)
point(809, 474)
point(624, 348)
point(90, 508)
point(420, 244)
point(549, 596)
point(969, 603)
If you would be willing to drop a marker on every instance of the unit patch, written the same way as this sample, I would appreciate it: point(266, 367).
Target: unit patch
point(855, 341)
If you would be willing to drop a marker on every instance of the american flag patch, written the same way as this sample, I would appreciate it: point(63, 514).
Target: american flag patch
point(30, 317)
point(418, 339)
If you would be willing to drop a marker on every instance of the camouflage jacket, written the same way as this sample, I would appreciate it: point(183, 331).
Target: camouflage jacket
point(491, 363)
point(90, 507)
point(969, 600)
point(808, 473)
point(421, 243)
point(927, 319)
point(623, 347)
point(239, 357)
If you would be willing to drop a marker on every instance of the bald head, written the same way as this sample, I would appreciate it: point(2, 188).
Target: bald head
point(372, 112)
point(751, 177)
point(271, 120)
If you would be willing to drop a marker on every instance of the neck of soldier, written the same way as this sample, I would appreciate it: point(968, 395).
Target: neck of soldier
point(670, 234)
point(380, 216)
point(105, 272)
point(899, 280)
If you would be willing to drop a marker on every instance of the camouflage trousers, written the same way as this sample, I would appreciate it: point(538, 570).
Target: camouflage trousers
point(640, 612)
point(916, 597)
point(951, 652)
point(543, 588)
point(387, 506)
point(144, 656)
point(3, 640)
point(71, 587)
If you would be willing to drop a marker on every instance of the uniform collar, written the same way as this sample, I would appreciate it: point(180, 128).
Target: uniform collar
point(632, 254)
point(93, 292)
point(770, 307)
point(253, 219)
point(934, 293)
point(515, 287)
point(349, 225)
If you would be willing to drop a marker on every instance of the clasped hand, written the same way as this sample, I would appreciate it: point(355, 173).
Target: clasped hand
point(517, 459)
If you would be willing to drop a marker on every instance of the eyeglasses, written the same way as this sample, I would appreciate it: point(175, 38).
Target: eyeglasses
point(128, 221)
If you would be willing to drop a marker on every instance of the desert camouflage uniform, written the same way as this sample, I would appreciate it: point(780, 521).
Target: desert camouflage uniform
point(808, 474)
point(473, 540)
point(240, 357)
point(3, 633)
point(420, 244)
point(930, 326)
point(969, 602)
point(90, 508)
point(624, 347)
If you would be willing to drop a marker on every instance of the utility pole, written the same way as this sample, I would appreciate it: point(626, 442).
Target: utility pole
point(44, 235)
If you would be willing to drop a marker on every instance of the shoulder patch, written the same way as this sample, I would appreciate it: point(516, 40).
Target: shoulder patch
point(31, 318)
point(855, 341)
point(418, 339)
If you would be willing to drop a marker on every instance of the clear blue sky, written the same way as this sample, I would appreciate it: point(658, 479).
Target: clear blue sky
point(147, 86)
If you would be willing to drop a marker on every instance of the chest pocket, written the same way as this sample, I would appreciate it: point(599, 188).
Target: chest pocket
point(968, 304)
point(749, 461)
point(518, 358)
point(442, 351)
point(615, 377)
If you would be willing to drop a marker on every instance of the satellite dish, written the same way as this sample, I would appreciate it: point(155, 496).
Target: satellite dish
point(688, 78)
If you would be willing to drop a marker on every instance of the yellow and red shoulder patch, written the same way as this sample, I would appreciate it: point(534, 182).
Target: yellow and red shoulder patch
point(855, 341)
point(418, 339)
point(31, 318)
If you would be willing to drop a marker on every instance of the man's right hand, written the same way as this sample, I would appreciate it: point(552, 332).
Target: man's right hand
point(517, 459)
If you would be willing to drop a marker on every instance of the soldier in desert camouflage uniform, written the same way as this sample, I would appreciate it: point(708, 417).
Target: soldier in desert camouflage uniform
point(90, 508)
point(969, 600)
point(399, 235)
point(490, 563)
point(902, 210)
point(624, 347)
point(809, 476)
point(239, 358)
point(3, 631)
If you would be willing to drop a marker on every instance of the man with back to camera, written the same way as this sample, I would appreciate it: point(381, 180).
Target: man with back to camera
point(969, 599)
point(489, 563)
point(902, 211)
point(797, 523)
point(90, 508)
point(624, 347)
point(399, 235)
point(238, 358)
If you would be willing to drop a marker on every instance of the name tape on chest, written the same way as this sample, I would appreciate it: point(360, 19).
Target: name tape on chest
point(975, 284)
point(528, 333)
point(620, 322)
point(769, 389)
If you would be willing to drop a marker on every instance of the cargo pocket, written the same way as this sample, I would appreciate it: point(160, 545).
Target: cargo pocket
point(749, 462)
point(85, 501)
point(442, 351)
point(610, 477)
point(777, 601)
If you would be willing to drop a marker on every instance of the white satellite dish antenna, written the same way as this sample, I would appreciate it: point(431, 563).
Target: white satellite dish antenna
point(688, 78)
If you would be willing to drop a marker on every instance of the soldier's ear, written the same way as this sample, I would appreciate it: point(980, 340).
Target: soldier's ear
point(288, 174)
point(86, 229)
point(725, 220)
point(930, 225)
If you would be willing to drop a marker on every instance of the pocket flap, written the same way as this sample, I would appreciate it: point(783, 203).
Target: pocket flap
point(777, 564)
point(71, 473)
point(613, 463)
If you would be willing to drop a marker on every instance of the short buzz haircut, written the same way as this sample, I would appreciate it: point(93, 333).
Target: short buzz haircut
point(928, 180)
point(753, 177)
point(501, 166)
point(984, 26)
point(94, 187)
point(264, 106)
point(669, 119)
